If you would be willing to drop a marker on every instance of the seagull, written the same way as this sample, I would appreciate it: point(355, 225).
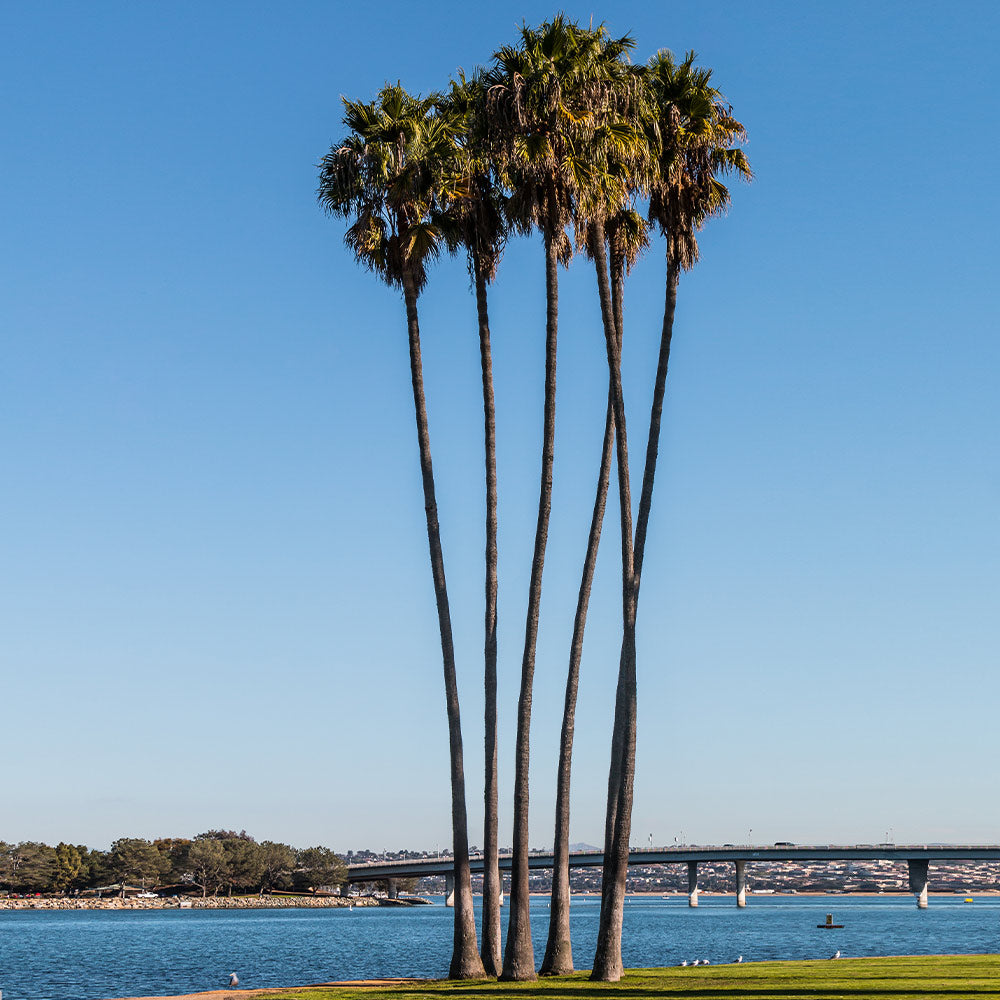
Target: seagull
point(234, 980)
point(836, 954)
point(738, 960)
point(697, 961)
point(684, 963)
point(705, 961)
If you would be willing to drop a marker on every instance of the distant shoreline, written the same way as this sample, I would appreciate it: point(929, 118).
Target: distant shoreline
point(339, 902)
point(190, 902)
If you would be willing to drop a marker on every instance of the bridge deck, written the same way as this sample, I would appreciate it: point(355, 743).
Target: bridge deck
point(371, 871)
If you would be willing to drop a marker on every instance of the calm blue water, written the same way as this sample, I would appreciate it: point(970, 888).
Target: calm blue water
point(91, 955)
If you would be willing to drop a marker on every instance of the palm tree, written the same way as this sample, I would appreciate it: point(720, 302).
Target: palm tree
point(539, 95)
point(616, 167)
point(383, 176)
point(692, 138)
point(614, 153)
point(478, 210)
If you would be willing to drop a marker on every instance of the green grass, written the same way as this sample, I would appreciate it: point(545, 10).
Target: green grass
point(952, 976)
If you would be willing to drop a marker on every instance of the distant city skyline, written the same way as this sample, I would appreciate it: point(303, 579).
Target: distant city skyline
point(216, 607)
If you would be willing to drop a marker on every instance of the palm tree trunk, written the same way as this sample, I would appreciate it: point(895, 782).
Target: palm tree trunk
point(490, 951)
point(465, 961)
point(558, 958)
point(607, 961)
point(519, 955)
point(607, 958)
point(655, 417)
point(614, 773)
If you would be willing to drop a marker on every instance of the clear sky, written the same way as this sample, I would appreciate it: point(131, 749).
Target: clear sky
point(215, 601)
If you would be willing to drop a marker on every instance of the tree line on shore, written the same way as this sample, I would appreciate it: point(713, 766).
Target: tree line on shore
point(564, 137)
point(216, 862)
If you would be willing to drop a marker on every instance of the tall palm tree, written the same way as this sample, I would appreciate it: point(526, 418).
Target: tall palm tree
point(384, 177)
point(478, 208)
point(539, 94)
point(614, 153)
point(692, 137)
point(618, 166)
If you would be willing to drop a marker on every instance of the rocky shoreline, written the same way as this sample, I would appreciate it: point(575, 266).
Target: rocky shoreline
point(194, 903)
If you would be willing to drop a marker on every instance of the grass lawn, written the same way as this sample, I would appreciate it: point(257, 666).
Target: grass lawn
point(954, 977)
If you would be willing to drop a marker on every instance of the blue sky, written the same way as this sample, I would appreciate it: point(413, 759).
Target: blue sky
point(216, 608)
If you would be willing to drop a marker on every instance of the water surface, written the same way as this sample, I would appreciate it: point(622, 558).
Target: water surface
point(95, 954)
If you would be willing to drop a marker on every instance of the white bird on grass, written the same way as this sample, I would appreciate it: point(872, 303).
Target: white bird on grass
point(684, 964)
point(836, 954)
point(738, 960)
point(234, 980)
point(697, 961)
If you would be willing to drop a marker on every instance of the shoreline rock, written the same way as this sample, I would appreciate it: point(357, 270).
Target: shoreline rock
point(196, 903)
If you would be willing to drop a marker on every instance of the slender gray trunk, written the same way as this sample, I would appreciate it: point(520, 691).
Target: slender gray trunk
point(655, 418)
point(465, 961)
point(607, 940)
point(490, 950)
point(558, 958)
point(519, 956)
point(607, 960)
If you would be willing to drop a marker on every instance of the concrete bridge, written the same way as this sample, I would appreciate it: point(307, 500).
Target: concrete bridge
point(917, 857)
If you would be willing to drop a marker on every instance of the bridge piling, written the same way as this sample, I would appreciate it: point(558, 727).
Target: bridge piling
point(392, 888)
point(917, 870)
point(449, 889)
point(741, 884)
point(692, 883)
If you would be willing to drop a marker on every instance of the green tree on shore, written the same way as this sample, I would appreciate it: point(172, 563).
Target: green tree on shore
point(207, 864)
point(137, 860)
point(69, 865)
point(29, 866)
point(318, 868)
point(277, 862)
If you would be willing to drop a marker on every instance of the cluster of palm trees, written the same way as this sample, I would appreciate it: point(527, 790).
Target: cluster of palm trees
point(564, 135)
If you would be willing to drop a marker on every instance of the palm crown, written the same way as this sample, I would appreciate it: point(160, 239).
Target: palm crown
point(548, 101)
point(693, 140)
point(389, 176)
point(474, 199)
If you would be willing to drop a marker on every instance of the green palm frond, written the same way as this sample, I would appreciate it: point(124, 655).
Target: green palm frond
point(423, 241)
point(551, 101)
point(389, 175)
point(695, 142)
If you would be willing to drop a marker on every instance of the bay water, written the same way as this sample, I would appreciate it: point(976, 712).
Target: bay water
point(98, 954)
